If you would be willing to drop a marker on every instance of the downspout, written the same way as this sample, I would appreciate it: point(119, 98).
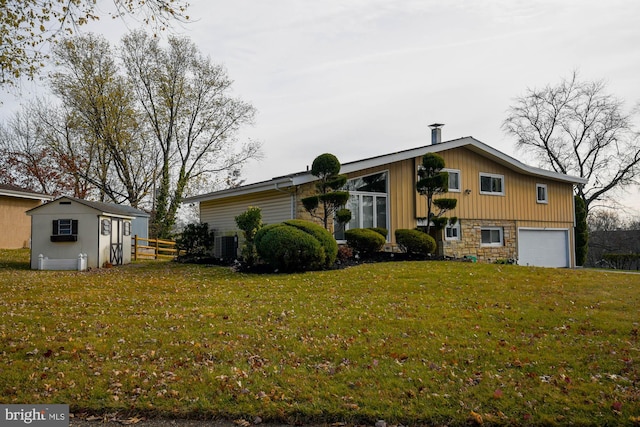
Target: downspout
point(293, 197)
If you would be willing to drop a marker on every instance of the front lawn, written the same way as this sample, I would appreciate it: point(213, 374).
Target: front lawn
point(406, 342)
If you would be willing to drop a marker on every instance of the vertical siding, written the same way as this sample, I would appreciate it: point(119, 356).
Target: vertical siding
point(519, 199)
point(220, 214)
point(14, 218)
point(517, 204)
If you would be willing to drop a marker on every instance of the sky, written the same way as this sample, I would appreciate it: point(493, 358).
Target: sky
point(360, 78)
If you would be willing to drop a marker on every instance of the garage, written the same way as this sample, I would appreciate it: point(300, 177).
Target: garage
point(543, 247)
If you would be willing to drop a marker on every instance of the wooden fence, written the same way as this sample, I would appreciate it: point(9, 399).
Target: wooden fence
point(152, 248)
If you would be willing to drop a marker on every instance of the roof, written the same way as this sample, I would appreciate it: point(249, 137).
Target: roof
point(15, 191)
point(105, 208)
point(468, 142)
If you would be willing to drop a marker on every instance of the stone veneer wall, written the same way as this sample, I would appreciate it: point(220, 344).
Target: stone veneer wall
point(303, 191)
point(469, 244)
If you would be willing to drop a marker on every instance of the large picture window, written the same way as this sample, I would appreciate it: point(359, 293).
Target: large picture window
point(367, 203)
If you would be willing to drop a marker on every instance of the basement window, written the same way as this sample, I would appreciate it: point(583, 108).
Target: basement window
point(491, 236)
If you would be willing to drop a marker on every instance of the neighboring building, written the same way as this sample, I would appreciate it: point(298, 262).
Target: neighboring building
point(506, 209)
point(67, 228)
point(16, 226)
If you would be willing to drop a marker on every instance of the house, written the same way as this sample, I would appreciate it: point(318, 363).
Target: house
point(505, 209)
point(14, 202)
point(71, 233)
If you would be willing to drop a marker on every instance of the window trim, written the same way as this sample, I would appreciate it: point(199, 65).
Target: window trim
point(70, 233)
point(456, 171)
point(492, 176)
point(545, 200)
point(494, 244)
point(456, 227)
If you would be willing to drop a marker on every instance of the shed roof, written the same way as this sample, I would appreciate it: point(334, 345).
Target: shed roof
point(106, 208)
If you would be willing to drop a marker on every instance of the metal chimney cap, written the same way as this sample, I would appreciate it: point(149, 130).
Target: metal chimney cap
point(436, 125)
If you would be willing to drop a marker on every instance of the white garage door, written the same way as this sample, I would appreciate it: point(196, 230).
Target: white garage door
point(543, 248)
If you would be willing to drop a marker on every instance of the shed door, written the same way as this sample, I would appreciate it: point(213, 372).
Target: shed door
point(543, 248)
point(116, 241)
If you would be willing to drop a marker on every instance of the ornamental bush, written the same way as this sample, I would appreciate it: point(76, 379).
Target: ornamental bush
point(381, 231)
point(196, 240)
point(296, 245)
point(325, 238)
point(364, 240)
point(415, 242)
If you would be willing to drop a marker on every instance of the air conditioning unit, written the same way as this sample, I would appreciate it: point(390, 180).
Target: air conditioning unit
point(225, 247)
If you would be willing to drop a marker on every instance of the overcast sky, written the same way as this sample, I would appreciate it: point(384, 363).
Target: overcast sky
point(359, 78)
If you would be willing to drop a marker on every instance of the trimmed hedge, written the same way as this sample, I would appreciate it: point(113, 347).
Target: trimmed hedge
point(296, 245)
point(381, 231)
point(364, 240)
point(325, 238)
point(415, 242)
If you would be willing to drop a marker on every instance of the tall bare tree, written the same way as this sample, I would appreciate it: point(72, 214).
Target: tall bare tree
point(28, 26)
point(577, 128)
point(99, 100)
point(193, 117)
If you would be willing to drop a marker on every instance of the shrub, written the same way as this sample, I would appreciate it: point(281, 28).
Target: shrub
point(249, 222)
point(364, 241)
point(195, 240)
point(325, 238)
point(381, 231)
point(288, 248)
point(415, 242)
point(345, 253)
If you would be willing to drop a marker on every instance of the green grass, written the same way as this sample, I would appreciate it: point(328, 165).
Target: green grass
point(410, 343)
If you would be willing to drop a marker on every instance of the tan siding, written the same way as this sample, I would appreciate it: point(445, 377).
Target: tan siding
point(13, 218)
point(517, 204)
point(519, 201)
point(220, 214)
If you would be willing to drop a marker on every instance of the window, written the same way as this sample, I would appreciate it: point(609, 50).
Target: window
point(454, 180)
point(491, 236)
point(491, 184)
point(541, 193)
point(367, 203)
point(106, 227)
point(452, 232)
point(64, 230)
point(127, 228)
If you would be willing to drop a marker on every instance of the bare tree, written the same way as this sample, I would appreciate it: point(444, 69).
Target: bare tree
point(99, 102)
point(28, 26)
point(577, 128)
point(191, 115)
point(29, 160)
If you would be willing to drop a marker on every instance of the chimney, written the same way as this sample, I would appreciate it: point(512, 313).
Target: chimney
point(436, 133)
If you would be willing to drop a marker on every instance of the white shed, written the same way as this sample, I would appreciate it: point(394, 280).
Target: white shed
point(69, 233)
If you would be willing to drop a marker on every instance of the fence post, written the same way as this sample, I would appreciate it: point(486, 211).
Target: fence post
point(135, 247)
point(157, 248)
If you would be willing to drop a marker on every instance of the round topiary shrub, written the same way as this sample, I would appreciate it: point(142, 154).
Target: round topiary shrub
point(364, 241)
point(415, 242)
point(325, 238)
point(296, 246)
